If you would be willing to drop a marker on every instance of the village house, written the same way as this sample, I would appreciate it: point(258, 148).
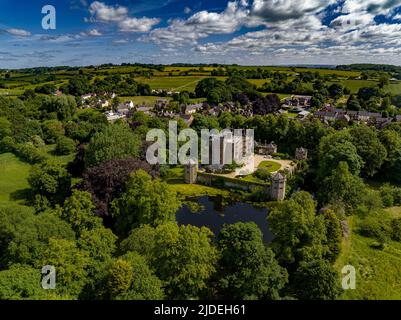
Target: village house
point(125, 109)
point(103, 103)
point(193, 108)
point(303, 115)
point(87, 96)
point(146, 110)
point(299, 101)
point(111, 116)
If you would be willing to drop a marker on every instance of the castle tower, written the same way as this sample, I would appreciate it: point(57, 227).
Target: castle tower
point(278, 187)
point(301, 154)
point(191, 173)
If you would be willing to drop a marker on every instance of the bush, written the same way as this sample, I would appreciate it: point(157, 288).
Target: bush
point(7, 145)
point(28, 152)
point(376, 227)
point(64, 146)
point(263, 174)
point(396, 229)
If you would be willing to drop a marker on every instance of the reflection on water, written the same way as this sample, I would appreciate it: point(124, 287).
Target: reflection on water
point(215, 212)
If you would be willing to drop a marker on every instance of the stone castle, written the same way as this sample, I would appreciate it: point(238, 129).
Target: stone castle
point(276, 191)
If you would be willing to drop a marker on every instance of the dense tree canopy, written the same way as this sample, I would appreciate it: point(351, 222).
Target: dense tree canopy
point(248, 268)
point(114, 142)
point(147, 201)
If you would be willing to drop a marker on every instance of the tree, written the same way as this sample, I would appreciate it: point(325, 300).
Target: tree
point(384, 80)
point(115, 142)
point(333, 233)
point(135, 281)
point(78, 212)
point(391, 168)
point(70, 263)
point(341, 186)
point(184, 259)
point(63, 106)
point(337, 148)
point(248, 269)
point(147, 201)
point(369, 148)
point(64, 146)
point(316, 280)
point(336, 90)
point(21, 282)
point(140, 240)
point(108, 180)
point(298, 233)
point(24, 236)
point(52, 129)
point(50, 180)
point(100, 244)
point(5, 127)
point(120, 277)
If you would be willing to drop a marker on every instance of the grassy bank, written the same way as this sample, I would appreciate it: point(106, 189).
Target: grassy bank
point(378, 273)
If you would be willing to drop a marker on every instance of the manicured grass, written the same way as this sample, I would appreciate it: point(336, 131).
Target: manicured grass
point(14, 187)
point(378, 273)
point(175, 178)
point(271, 166)
point(13, 180)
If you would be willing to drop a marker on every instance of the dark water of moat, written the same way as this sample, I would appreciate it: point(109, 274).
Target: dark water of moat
point(215, 213)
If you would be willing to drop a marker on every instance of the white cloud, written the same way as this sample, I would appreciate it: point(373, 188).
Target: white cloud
point(105, 13)
point(18, 32)
point(91, 33)
point(278, 10)
point(203, 24)
point(138, 25)
point(100, 12)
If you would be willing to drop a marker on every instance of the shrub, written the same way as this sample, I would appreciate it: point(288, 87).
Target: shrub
point(28, 152)
point(396, 229)
point(7, 145)
point(64, 146)
point(376, 227)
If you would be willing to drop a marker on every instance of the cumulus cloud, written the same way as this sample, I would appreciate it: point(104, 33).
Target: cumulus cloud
point(18, 32)
point(203, 24)
point(100, 12)
point(104, 13)
point(278, 10)
point(92, 33)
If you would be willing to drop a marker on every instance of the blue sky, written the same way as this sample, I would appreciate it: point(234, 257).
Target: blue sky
point(248, 32)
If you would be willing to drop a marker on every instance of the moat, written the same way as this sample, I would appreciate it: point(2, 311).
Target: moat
point(214, 212)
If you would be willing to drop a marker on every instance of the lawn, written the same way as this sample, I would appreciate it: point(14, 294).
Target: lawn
point(175, 178)
point(271, 166)
point(378, 274)
point(14, 173)
point(13, 180)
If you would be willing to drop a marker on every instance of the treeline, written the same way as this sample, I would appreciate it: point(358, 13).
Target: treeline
point(121, 85)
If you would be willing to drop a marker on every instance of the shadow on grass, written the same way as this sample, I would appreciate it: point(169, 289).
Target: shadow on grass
point(24, 195)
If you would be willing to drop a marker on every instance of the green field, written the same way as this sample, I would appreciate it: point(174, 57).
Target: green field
point(146, 100)
point(14, 173)
point(13, 180)
point(172, 83)
point(378, 273)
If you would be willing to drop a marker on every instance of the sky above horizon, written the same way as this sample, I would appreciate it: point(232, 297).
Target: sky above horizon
point(246, 32)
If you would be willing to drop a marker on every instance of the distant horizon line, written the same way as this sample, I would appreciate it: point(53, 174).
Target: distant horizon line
point(183, 64)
